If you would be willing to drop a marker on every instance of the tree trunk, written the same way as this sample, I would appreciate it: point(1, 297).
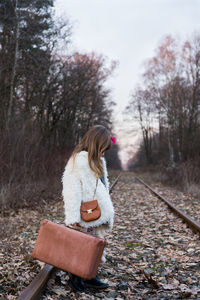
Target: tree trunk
point(10, 106)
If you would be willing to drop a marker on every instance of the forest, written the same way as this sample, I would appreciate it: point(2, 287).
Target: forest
point(166, 104)
point(49, 97)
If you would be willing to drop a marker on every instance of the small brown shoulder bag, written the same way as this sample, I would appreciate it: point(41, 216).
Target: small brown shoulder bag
point(90, 210)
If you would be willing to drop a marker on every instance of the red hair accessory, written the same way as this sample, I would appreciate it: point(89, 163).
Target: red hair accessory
point(113, 140)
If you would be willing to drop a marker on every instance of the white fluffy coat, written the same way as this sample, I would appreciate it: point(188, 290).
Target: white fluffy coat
point(79, 183)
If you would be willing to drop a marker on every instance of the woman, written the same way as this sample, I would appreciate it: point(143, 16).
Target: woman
point(86, 175)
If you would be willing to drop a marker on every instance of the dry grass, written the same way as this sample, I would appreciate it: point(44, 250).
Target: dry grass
point(30, 170)
point(185, 176)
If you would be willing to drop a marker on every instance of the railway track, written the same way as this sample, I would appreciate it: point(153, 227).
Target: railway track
point(190, 221)
point(34, 290)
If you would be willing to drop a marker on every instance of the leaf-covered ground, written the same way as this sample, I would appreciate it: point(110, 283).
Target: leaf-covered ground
point(185, 201)
point(151, 254)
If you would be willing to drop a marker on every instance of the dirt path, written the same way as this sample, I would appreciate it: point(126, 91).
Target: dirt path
point(151, 254)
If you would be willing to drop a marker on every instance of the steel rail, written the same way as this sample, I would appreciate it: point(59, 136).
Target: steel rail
point(190, 221)
point(33, 291)
point(114, 183)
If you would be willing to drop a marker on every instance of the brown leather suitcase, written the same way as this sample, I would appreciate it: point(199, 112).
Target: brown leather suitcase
point(68, 249)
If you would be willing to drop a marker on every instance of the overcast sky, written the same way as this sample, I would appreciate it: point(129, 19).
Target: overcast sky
point(127, 31)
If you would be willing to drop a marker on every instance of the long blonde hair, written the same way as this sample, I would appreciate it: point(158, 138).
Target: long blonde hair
point(96, 141)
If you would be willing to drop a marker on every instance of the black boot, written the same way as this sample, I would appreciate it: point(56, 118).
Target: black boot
point(77, 283)
point(96, 283)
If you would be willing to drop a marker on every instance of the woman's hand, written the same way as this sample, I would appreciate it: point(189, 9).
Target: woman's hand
point(76, 225)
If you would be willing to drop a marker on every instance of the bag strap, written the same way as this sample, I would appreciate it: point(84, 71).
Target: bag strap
point(95, 188)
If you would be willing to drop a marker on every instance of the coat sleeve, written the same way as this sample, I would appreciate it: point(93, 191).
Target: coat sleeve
point(72, 196)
